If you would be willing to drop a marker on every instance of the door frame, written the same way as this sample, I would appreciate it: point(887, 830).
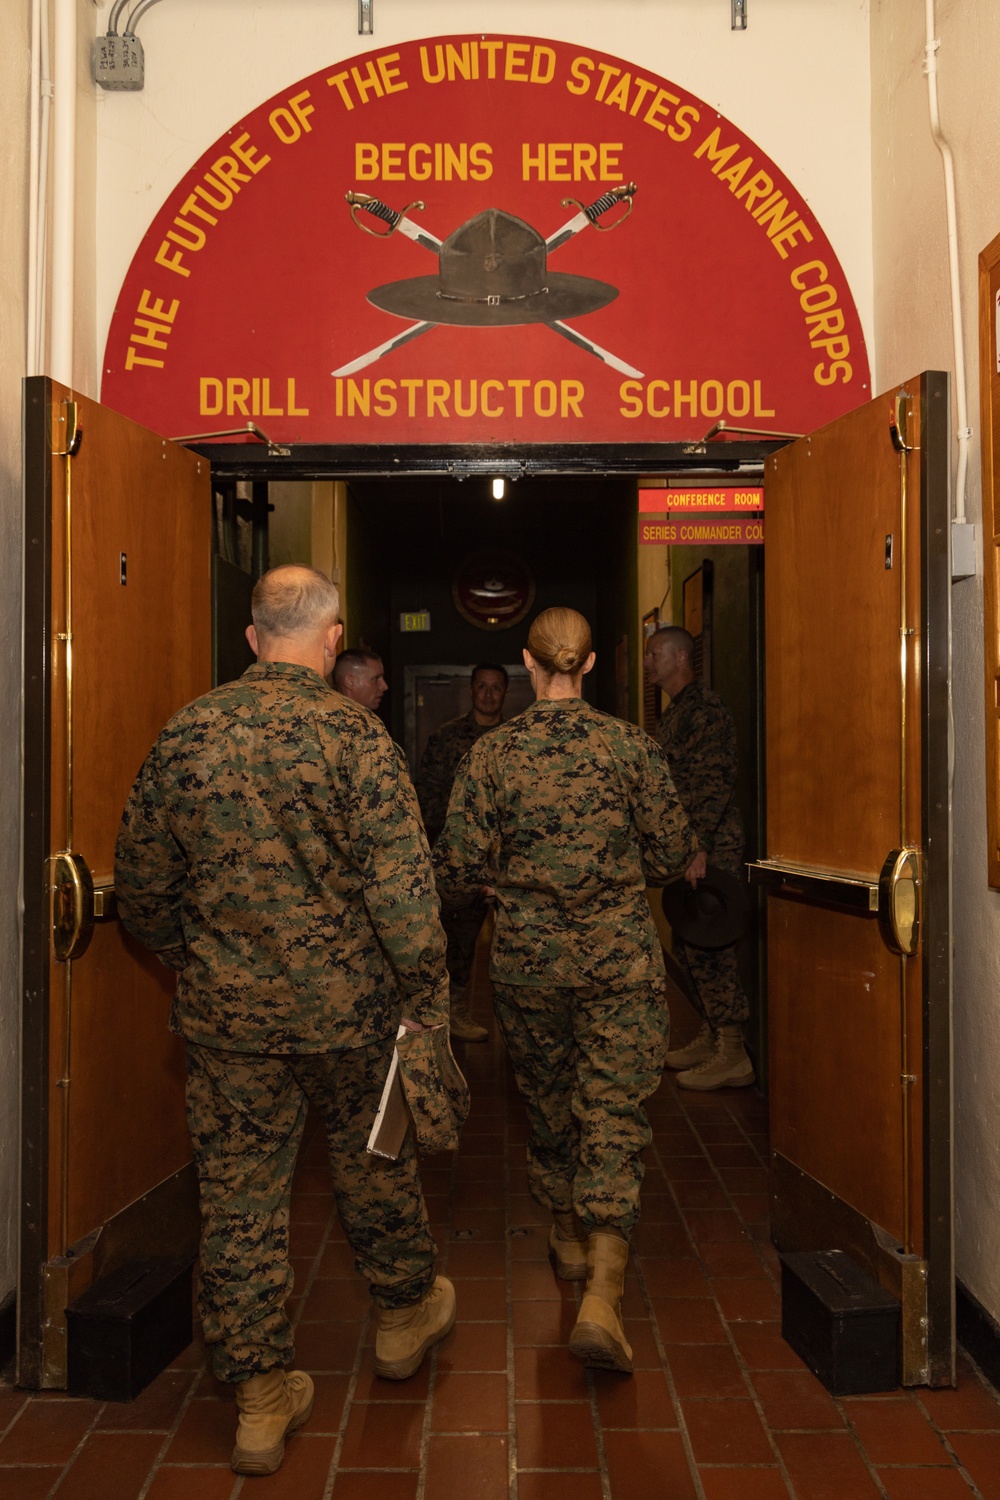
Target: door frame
point(35, 845)
point(936, 957)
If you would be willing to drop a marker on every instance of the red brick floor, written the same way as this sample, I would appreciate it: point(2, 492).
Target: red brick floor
point(719, 1407)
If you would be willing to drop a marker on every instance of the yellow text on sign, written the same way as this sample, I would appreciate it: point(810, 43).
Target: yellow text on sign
point(236, 396)
point(666, 500)
point(415, 621)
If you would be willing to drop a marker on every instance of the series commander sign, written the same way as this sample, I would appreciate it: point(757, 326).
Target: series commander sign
point(484, 239)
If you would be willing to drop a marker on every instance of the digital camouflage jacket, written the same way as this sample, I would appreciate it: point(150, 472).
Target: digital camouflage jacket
point(443, 754)
point(271, 852)
point(567, 812)
point(698, 737)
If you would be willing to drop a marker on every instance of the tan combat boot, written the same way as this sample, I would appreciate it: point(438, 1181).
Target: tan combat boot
point(727, 1068)
point(406, 1333)
point(568, 1244)
point(271, 1407)
point(698, 1050)
point(598, 1337)
point(461, 1023)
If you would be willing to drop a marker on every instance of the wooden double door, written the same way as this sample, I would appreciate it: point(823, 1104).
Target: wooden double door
point(118, 636)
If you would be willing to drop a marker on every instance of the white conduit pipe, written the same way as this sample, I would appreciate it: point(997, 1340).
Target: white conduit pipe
point(38, 175)
point(43, 191)
point(961, 394)
point(33, 187)
point(64, 191)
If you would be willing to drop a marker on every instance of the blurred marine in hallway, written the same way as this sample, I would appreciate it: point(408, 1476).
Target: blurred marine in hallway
point(359, 674)
point(271, 852)
point(445, 751)
point(567, 812)
point(697, 735)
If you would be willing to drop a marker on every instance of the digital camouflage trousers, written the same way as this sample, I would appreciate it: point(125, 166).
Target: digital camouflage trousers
point(714, 983)
point(713, 974)
point(584, 1061)
point(462, 925)
point(246, 1115)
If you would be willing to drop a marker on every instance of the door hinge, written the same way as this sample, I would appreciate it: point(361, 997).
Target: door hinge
point(898, 423)
point(66, 434)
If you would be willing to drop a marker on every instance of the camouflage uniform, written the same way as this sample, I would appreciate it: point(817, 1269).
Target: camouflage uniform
point(443, 754)
point(698, 737)
point(271, 852)
point(568, 812)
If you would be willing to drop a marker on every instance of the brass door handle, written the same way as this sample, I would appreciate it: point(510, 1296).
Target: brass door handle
point(71, 892)
point(899, 901)
point(851, 891)
point(894, 898)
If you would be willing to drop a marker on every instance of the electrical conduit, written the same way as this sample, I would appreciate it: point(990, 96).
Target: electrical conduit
point(961, 394)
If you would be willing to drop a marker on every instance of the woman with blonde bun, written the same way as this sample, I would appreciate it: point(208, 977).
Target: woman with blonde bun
point(567, 813)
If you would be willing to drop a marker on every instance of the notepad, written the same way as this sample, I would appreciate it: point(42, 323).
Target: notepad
point(393, 1118)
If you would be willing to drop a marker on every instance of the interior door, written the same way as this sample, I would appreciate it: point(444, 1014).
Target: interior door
point(857, 868)
point(117, 637)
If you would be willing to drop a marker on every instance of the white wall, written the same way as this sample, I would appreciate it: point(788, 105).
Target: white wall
point(913, 332)
point(208, 64)
point(13, 257)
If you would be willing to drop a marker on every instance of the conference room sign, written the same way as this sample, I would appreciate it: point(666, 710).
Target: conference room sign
point(729, 516)
point(484, 239)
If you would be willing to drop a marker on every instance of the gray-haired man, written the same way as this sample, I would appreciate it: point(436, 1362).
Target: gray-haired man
point(271, 852)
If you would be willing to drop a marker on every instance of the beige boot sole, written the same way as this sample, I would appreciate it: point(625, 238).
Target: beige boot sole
point(263, 1461)
point(705, 1082)
point(598, 1338)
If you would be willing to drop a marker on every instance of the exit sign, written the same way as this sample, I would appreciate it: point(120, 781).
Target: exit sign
point(415, 620)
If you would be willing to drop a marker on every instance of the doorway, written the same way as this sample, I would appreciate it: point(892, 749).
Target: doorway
point(399, 545)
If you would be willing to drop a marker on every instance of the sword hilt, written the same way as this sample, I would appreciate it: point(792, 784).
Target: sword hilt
point(378, 210)
point(593, 211)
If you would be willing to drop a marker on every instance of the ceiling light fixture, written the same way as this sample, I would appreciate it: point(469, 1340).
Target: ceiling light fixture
point(499, 488)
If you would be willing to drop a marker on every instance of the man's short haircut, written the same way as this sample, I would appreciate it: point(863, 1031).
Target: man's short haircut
point(491, 666)
point(350, 663)
point(292, 601)
point(681, 638)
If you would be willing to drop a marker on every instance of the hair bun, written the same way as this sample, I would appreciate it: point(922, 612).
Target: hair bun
point(559, 640)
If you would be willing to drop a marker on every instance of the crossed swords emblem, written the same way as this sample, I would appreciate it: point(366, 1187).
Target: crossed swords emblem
point(399, 221)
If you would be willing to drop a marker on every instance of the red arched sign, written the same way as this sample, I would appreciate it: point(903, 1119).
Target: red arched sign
point(573, 250)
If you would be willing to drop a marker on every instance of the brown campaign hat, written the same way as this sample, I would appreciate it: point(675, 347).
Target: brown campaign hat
point(493, 272)
point(711, 915)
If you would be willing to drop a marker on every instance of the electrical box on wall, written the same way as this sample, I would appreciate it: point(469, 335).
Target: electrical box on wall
point(116, 62)
point(963, 550)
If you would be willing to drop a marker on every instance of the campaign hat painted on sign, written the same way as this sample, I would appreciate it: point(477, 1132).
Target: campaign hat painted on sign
point(492, 271)
point(712, 914)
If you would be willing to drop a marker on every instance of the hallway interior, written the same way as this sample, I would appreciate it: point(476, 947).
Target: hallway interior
point(719, 1407)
